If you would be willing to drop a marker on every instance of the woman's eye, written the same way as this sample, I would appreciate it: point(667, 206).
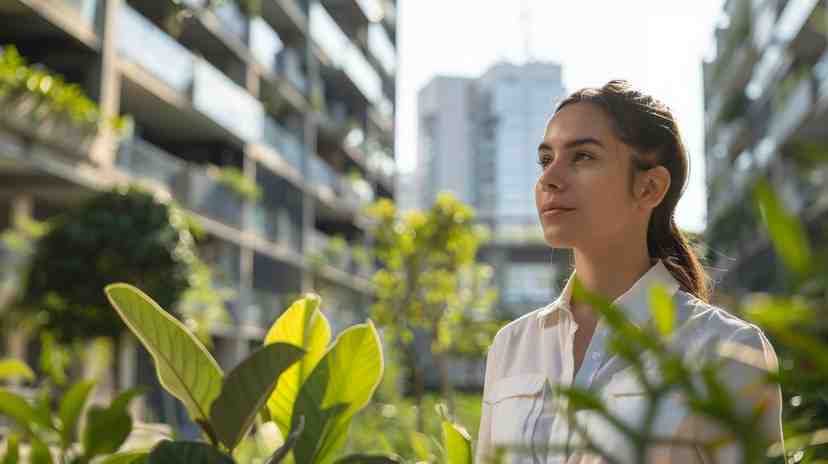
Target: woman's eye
point(543, 161)
point(582, 155)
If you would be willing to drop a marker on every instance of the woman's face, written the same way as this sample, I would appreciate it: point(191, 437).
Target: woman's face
point(585, 170)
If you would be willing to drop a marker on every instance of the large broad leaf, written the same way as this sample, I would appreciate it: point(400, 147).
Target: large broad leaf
point(458, 444)
point(179, 452)
point(246, 390)
point(20, 411)
point(305, 326)
point(70, 409)
point(108, 428)
point(184, 366)
point(11, 369)
point(342, 384)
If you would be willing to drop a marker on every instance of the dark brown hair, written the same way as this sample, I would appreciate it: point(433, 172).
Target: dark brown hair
point(648, 126)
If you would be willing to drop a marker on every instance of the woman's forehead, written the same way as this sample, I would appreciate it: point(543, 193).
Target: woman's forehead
point(579, 121)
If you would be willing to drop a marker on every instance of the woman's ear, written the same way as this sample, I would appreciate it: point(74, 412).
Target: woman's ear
point(652, 186)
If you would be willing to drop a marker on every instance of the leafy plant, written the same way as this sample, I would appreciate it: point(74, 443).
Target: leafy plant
point(51, 94)
point(294, 380)
point(34, 422)
point(234, 179)
point(125, 234)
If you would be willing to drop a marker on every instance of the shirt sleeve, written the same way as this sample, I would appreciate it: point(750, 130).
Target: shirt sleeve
point(484, 434)
point(748, 357)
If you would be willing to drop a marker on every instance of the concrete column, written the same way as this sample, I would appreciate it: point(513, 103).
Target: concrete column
point(103, 148)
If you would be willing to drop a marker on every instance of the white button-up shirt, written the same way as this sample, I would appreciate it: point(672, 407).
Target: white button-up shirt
point(519, 407)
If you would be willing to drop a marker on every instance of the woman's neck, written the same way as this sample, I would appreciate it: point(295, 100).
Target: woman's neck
point(610, 272)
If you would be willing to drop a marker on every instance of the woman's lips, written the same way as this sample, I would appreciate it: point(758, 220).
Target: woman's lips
point(556, 211)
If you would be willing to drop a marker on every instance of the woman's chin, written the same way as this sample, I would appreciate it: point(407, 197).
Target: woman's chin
point(556, 239)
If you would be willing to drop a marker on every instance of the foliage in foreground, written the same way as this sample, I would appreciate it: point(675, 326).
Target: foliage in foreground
point(307, 386)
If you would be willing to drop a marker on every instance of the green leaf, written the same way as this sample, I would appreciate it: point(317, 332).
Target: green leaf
point(421, 445)
point(289, 442)
point(108, 428)
point(327, 402)
point(11, 369)
point(458, 444)
point(663, 310)
point(12, 449)
point(39, 453)
point(246, 390)
point(20, 411)
point(185, 368)
point(303, 325)
point(70, 409)
point(786, 232)
point(178, 452)
point(127, 457)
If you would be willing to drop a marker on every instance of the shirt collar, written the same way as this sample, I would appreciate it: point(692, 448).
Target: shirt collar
point(634, 302)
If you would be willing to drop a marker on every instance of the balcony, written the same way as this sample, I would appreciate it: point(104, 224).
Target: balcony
point(86, 10)
point(287, 144)
point(233, 20)
point(382, 48)
point(215, 95)
point(342, 54)
point(202, 193)
point(289, 64)
point(322, 176)
point(141, 42)
point(265, 44)
point(266, 307)
point(793, 19)
point(143, 160)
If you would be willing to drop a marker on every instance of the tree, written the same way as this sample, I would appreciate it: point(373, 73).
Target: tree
point(425, 256)
point(122, 235)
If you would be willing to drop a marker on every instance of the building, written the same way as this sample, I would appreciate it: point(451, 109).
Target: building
point(765, 111)
point(478, 139)
point(298, 96)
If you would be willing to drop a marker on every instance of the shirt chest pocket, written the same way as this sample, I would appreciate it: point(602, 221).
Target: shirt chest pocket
point(627, 399)
point(516, 403)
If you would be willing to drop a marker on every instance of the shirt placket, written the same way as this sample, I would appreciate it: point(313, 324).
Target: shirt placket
point(593, 359)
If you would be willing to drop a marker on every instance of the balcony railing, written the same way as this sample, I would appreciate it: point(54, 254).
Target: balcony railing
point(203, 194)
point(382, 48)
point(217, 96)
point(86, 9)
point(141, 159)
point(233, 20)
point(140, 41)
point(344, 54)
point(289, 65)
point(265, 43)
point(273, 223)
point(321, 174)
point(793, 18)
point(289, 145)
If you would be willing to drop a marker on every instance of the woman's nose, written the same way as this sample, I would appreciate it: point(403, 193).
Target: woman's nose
point(552, 178)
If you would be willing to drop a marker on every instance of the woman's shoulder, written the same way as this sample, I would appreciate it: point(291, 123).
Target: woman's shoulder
point(716, 326)
point(519, 328)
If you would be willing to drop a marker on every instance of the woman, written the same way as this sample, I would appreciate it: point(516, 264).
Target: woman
point(613, 169)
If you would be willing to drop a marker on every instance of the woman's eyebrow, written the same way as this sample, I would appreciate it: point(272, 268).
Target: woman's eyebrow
point(573, 143)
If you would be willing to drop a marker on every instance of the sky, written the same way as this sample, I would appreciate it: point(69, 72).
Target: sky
point(658, 45)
